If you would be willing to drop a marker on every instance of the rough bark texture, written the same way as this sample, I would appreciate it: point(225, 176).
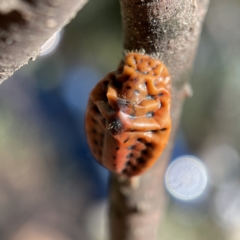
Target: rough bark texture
point(25, 25)
point(168, 29)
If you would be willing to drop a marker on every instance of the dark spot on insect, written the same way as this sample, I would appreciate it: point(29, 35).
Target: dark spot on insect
point(126, 140)
point(131, 147)
point(163, 129)
point(95, 142)
point(93, 119)
point(129, 155)
point(126, 77)
point(117, 84)
point(117, 148)
point(141, 160)
point(128, 163)
point(145, 152)
point(115, 126)
point(94, 131)
point(160, 94)
point(95, 109)
point(110, 109)
point(134, 168)
point(128, 87)
point(149, 114)
point(166, 8)
point(136, 92)
point(154, 131)
point(149, 145)
point(140, 140)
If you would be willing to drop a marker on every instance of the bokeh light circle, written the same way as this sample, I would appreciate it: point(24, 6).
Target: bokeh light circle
point(186, 178)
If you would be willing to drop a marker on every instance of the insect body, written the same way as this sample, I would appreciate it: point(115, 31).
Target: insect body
point(128, 116)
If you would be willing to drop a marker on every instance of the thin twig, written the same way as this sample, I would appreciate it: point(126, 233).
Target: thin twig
point(168, 29)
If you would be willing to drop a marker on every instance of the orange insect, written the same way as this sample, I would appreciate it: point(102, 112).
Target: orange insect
point(128, 116)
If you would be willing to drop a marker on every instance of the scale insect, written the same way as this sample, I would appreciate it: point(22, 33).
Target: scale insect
point(128, 115)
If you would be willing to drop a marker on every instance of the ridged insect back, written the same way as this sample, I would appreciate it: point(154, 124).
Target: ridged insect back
point(130, 111)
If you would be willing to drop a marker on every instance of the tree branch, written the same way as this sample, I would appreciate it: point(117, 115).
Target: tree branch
point(168, 29)
point(25, 25)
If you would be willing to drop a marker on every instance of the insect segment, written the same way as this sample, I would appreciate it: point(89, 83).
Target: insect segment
point(128, 116)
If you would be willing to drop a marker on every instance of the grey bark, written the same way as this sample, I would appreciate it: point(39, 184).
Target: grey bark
point(25, 25)
point(170, 30)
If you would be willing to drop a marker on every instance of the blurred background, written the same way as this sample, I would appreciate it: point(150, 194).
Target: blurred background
point(52, 189)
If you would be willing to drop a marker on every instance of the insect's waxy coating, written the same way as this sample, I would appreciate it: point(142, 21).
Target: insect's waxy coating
point(128, 116)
